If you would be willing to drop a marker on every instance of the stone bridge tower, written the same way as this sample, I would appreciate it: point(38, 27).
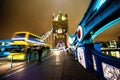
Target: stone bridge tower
point(60, 28)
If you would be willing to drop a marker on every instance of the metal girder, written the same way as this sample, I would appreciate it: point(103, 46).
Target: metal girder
point(97, 18)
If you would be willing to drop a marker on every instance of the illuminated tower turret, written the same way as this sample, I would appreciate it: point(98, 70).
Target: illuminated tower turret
point(60, 27)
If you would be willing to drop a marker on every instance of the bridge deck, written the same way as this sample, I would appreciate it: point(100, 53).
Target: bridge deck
point(54, 67)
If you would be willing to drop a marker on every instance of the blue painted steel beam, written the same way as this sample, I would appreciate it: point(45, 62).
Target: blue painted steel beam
point(99, 18)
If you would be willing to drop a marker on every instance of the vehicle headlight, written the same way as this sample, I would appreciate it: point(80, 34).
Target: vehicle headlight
point(21, 56)
point(9, 56)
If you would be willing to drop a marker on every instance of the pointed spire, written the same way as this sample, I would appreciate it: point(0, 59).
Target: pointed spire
point(53, 15)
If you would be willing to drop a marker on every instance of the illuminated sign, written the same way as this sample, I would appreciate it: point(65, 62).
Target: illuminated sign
point(110, 72)
point(94, 62)
point(81, 56)
point(79, 33)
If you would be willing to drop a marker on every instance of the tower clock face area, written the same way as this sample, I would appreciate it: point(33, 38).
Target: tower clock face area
point(60, 31)
point(60, 35)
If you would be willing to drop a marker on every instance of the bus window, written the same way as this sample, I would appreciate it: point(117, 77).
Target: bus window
point(22, 35)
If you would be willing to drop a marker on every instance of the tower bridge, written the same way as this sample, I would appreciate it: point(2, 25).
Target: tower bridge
point(100, 15)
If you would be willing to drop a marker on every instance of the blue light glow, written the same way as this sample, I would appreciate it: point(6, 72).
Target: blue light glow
point(99, 3)
point(105, 27)
point(33, 41)
point(18, 38)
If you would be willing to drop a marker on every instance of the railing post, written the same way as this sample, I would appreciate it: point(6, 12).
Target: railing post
point(28, 58)
point(11, 62)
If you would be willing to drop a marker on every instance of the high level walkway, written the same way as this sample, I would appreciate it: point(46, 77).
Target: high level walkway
point(62, 66)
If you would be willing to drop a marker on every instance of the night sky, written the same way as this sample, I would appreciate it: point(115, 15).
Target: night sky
point(36, 16)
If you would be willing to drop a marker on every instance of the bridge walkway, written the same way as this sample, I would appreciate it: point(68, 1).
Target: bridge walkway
point(62, 66)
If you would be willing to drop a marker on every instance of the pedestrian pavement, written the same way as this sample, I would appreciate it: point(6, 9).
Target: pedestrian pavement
point(60, 66)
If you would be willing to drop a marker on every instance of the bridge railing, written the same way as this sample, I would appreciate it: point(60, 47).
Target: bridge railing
point(6, 65)
point(92, 58)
